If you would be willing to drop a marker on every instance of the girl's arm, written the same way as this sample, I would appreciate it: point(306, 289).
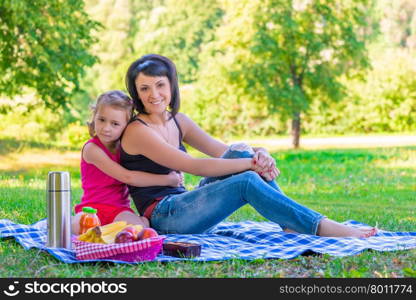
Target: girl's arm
point(95, 155)
point(156, 149)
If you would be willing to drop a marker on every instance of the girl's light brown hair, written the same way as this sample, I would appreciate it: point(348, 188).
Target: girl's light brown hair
point(114, 98)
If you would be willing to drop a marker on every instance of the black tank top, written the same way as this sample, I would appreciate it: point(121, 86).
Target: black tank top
point(144, 196)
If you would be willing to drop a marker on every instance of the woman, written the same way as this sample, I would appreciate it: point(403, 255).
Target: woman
point(152, 142)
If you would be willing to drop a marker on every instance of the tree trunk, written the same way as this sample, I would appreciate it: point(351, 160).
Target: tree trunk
point(296, 130)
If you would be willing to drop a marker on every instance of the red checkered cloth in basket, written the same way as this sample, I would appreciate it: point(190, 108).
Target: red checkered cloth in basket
point(146, 249)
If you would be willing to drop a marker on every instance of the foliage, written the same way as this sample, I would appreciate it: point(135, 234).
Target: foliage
point(40, 124)
point(44, 47)
point(178, 29)
point(227, 63)
point(230, 113)
point(118, 18)
point(133, 28)
point(75, 135)
point(398, 22)
point(287, 52)
point(385, 102)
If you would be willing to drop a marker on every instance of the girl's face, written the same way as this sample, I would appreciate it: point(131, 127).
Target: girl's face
point(109, 123)
point(154, 92)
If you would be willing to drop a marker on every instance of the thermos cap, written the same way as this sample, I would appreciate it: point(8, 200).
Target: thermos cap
point(58, 181)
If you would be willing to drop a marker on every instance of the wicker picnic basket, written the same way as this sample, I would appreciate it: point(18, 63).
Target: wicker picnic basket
point(144, 250)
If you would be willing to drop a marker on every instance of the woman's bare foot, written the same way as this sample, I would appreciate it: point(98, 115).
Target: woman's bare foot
point(331, 228)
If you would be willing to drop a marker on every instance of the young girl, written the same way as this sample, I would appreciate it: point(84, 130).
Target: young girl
point(103, 178)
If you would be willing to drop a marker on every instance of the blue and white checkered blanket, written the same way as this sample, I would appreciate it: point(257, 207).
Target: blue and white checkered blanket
point(244, 240)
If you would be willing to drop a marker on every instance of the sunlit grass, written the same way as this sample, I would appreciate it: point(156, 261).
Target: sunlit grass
point(37, 158)
point(371, 185)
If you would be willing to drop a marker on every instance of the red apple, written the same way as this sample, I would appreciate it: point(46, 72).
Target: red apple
point(133, 231)
point(148, 233)
point(124, 237)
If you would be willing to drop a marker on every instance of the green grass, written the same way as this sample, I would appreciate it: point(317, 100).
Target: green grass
point(374, 186)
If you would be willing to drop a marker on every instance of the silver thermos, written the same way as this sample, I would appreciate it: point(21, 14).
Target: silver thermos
point(59, 210)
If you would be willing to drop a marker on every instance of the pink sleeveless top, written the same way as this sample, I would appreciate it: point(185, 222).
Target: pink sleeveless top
point(100, 188)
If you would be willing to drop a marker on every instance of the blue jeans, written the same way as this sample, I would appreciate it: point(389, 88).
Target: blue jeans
point(215, 199)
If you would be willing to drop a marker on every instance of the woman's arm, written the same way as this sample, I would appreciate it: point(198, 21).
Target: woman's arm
point(194, 136)
point(95, 155)
point(140, 139)
point(199, 139)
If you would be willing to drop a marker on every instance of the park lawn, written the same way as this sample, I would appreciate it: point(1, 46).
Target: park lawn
point(374, 186)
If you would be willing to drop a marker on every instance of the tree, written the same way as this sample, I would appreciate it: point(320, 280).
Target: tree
point(399, 22)
point(385, 102)
point(114, 43)
point(44, 46)
point(119, 22)
point(178, 29)
point(288, 52)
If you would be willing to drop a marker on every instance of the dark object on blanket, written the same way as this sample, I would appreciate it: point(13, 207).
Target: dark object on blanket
point(181, 249)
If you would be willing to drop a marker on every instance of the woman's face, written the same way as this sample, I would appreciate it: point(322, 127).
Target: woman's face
point(154, 92)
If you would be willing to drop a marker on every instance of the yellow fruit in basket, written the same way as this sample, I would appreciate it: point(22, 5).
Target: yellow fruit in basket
point(109, 238)
point(96, 235)
point(99, 240)
point(92, 235)
point(139, 228)
point(85, 237)
point(115, 226)
point(106, 234)
point(110, 232)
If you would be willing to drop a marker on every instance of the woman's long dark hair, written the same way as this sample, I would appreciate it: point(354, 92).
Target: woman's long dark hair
point(153, 65)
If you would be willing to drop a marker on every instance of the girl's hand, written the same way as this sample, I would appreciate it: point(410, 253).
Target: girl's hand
point(175, 179)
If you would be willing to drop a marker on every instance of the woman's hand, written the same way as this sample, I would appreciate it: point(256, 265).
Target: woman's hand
point(265, 165)
point(175, 179)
